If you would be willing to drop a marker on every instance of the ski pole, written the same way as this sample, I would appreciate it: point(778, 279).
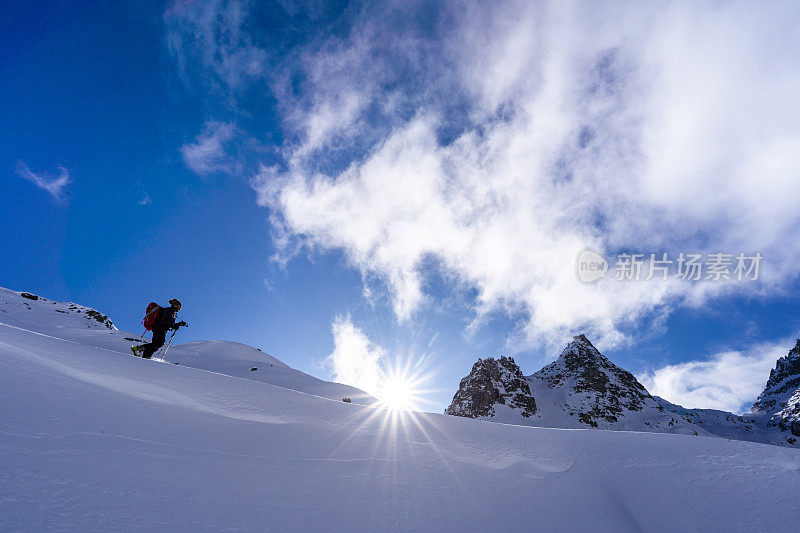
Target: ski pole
point(164, 355)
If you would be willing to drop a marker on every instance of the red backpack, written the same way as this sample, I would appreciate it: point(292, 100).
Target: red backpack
point(149, 320)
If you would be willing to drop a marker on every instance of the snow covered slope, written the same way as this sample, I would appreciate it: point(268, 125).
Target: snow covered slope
point(91, 439)
point(87, 327)
point(730, 426)
point(24, 309)
point(244, 361)
point(583, 389)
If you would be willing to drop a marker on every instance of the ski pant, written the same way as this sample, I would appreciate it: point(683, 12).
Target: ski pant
point(159, 336)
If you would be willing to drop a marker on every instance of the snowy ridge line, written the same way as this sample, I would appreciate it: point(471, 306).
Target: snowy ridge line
point(184, 366)
point(263, 383)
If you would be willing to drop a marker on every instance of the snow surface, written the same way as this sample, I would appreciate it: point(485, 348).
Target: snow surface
point(91, 438)
point(235, 359)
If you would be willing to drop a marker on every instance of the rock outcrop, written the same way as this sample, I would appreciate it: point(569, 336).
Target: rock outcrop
point(778, 406)
point(492, 382)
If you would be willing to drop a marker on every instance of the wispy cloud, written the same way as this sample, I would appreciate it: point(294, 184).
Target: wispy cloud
point(208, 154)
point(210, 45)
point(56, 186)
point(729, 381)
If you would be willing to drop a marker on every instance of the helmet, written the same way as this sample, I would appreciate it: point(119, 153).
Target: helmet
point(175, 303)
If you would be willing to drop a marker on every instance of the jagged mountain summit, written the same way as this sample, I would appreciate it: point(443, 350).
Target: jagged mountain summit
point(778, 406)
point(583, 389)
point(492, 382)
point(593, 389)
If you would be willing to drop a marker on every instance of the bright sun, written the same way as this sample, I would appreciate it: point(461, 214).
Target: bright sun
point(397, 393)
point(401, 385)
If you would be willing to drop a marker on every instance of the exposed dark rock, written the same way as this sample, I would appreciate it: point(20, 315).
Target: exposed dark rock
point(29, 296)
point(779, 403)
point(99, 317)
point(492, 381)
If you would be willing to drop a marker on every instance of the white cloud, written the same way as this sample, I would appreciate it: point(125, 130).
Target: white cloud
point(355, 360)
point(56, 186)
point(145, 200)
point(209, 153)
point(584, 127)
point(728, 381)
point(501, 140)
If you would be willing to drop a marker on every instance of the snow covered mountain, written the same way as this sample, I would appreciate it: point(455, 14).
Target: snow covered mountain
point(580, 389)
point(730, 426)
point(583, 389)
point(778, 406)
point(92, 438)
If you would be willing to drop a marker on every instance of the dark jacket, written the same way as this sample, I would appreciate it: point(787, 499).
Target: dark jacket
point(166, 319)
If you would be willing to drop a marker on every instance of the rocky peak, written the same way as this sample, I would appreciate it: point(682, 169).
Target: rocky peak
point(589, 370)
point(780, 401)
point(786, 374)
point(490, 382)
point(580, 355)
point(600, 390)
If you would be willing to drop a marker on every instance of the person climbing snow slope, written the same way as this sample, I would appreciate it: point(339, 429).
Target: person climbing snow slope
point(164, 322)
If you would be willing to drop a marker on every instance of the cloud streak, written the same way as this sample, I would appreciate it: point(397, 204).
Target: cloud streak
point(728, 381)
point(55, 186)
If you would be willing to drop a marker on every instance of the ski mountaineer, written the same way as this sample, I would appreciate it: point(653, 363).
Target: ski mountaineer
point(164, 323)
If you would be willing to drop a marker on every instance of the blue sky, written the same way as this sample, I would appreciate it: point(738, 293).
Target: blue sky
point(347, 186)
